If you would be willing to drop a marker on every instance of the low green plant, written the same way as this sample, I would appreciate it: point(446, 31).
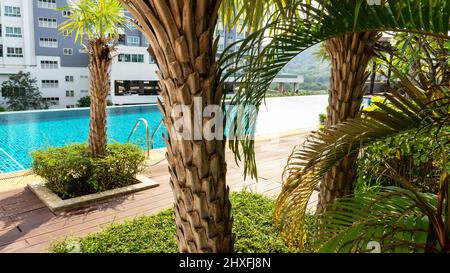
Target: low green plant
point(414, 155)
point(2, 109)
point(322, 118)
point(70, 172)
point(253, 226)
point(86, 102)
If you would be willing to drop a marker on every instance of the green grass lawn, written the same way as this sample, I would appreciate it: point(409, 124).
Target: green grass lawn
point(253, 226)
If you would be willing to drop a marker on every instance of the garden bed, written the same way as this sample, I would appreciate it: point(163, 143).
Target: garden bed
point(56, 203)
point(253, 226)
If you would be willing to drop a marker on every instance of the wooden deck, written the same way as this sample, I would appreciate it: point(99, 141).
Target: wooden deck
point(26, 225)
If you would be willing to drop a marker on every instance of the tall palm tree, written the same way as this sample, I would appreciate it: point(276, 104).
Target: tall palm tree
point(95, 24)
point(356, 24)
point(350, 55)
point(401, 219)
point(183, 43)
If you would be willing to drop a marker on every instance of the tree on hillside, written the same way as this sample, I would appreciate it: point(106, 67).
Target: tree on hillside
point(22, 93)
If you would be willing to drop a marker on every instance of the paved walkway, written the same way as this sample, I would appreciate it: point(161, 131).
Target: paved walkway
point(27, 225)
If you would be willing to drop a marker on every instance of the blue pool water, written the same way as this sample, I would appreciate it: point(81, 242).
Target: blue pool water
point(24, 132)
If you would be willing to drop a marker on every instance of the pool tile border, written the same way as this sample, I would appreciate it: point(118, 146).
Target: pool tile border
point(56, 204)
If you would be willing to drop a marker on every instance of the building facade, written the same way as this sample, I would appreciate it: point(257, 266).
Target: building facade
point(30, 41)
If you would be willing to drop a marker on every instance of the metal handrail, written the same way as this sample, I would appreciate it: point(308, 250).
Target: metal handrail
point(147, 133)
point(152, 140)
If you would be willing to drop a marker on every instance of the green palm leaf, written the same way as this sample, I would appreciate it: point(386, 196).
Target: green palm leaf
point(93, 19)
point(266, 51)
point(397, 219)
point(325, 148)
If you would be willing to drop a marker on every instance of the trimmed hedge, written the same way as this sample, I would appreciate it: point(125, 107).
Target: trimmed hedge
point(70, 172)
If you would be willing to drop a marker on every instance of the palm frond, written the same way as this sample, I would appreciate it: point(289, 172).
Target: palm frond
point(264, 53)
point(393, 218)
point(93, 19)
point(325, 148)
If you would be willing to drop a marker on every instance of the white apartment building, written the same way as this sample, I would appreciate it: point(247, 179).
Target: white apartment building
point(31, 42)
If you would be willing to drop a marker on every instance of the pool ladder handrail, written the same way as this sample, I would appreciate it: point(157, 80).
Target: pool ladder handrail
point(152, 140)
point(149, 141)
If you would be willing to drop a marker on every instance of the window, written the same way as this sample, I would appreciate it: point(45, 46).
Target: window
point(48, 42)
point(13, 32)
point(66, 13)
point(83, 77)
point(14, 52)
point(69, 78)
point(1, 50)
point(48, 22)
point(137, 58)
point(49, 64)
point(133, 41)
point(69, 106)
point(220, 47)
point(68, 51)
point(70, 93)
point(146, 43)
point(50, 83)
point(67, 33)
point(47, 4)
point(131, 58)
point(131, 26)
point(12, 11)
point(52, 101)
point(84, 91)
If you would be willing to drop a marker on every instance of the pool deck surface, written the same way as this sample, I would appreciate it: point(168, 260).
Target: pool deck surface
point(27, 225)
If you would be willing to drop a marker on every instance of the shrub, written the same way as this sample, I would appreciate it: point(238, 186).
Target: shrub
point(253, 226)
point(322, 118)
point(70, 172)
point(86, 102)
point(413, 155)
point(2, 109)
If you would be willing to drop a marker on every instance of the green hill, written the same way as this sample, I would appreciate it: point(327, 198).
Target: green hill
point(315, 72)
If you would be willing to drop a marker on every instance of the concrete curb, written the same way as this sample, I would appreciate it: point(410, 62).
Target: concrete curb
point(56, 204)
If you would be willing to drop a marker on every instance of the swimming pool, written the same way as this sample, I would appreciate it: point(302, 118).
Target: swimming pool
point(24, 132)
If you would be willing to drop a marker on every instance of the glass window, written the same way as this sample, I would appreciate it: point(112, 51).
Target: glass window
point(133, 41)
point(48, 42)
point(49, 64)
point(14, 52)
point(48, 22)
point(13, 32)
point(12, 11)
point(47, 4)
point(50, 83)
point(68, 51)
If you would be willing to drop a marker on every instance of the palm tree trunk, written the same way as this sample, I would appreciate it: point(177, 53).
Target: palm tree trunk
point(180, 33)
point(99, 83)
point(350, 54)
